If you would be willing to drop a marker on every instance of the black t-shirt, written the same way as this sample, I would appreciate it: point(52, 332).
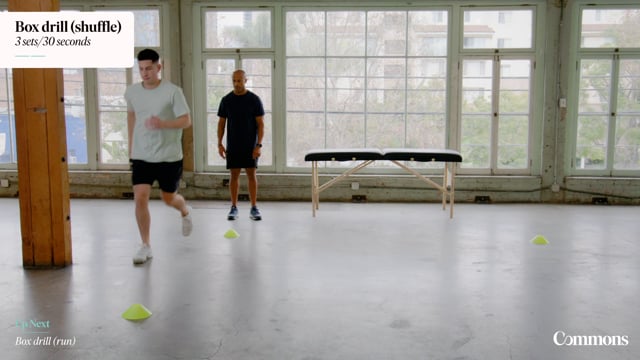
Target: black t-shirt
point(241, 112)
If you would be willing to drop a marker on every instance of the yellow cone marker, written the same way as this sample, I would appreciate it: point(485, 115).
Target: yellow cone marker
point(231, 234)
point(136, 312)
point(539, 240)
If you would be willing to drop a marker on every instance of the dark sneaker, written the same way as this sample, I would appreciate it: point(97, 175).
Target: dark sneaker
point(233, 213)
point(255, 213)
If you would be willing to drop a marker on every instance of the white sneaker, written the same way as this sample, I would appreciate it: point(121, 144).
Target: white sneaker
point(187, 223)
point(143, 254)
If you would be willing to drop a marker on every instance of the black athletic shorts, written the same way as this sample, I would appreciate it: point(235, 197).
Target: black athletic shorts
point(241, 161)
point(167, 174)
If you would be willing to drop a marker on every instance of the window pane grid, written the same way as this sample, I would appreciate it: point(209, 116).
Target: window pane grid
point(357, 86)
point(607, 137)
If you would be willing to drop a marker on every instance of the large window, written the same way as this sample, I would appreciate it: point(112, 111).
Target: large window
point(607, 120)
point(365, 78)
point(496, 92)
point(235, 40)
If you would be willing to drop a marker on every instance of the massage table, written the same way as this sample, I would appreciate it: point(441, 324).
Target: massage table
point(366, 156)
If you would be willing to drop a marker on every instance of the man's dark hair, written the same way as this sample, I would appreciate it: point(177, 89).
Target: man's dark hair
point(148, 54)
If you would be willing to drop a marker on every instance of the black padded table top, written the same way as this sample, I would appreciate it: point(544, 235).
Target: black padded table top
point(399, 154)
point(445, 155)
point(344, 154)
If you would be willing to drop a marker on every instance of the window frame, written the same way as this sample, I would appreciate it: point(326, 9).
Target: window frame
point(449, 136)
point(200, 56)
point(577, 54)
point(536, 96)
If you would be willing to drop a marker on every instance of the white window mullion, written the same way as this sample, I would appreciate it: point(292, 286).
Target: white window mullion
point(495, 113)
point(326, 79)
point(613, 100)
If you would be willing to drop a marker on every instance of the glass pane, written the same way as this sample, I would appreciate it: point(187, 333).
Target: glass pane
point(591, 144)
point(426, 85)
point(513, 124)
point(610, 28)
point(306, 127)
point(259, 82)
point(386, 33)
point(386, 84)
point(476, 105)
point(426, 131)
point(593, 114)
point(345, 130)
point(305, 85)
point(513, 142)
point(147, 28)
point(428, 33)
point(385, 130)
point(218, 81)
point(346, 33)
point(627, 151)
point(498, 29)
point(238, 29)
point(476, 141)
point(629, 87)
point(515, 86)
point(75, 118)
point(345, 85)
point(113, 138)
point(112, 116)
point(305, 131)
point(8, 153)
point(218, 85)
point(305, 33)
point(112, 83)
point(426, 105)
point(595, 86)
point(477, 86)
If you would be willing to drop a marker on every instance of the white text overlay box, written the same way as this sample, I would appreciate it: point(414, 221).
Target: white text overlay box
point(66, 39)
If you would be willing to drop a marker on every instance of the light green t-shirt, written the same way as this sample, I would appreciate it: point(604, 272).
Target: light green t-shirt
point(165, 101)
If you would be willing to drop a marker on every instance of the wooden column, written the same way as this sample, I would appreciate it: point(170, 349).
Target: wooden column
point(43, 180)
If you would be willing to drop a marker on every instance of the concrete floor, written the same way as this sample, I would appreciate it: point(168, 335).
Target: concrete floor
point(359, 281)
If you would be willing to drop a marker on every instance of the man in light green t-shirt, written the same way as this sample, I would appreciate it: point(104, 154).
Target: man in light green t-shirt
point(156, 114)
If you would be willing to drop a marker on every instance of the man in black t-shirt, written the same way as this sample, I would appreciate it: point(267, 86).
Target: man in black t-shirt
point(242, 115)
